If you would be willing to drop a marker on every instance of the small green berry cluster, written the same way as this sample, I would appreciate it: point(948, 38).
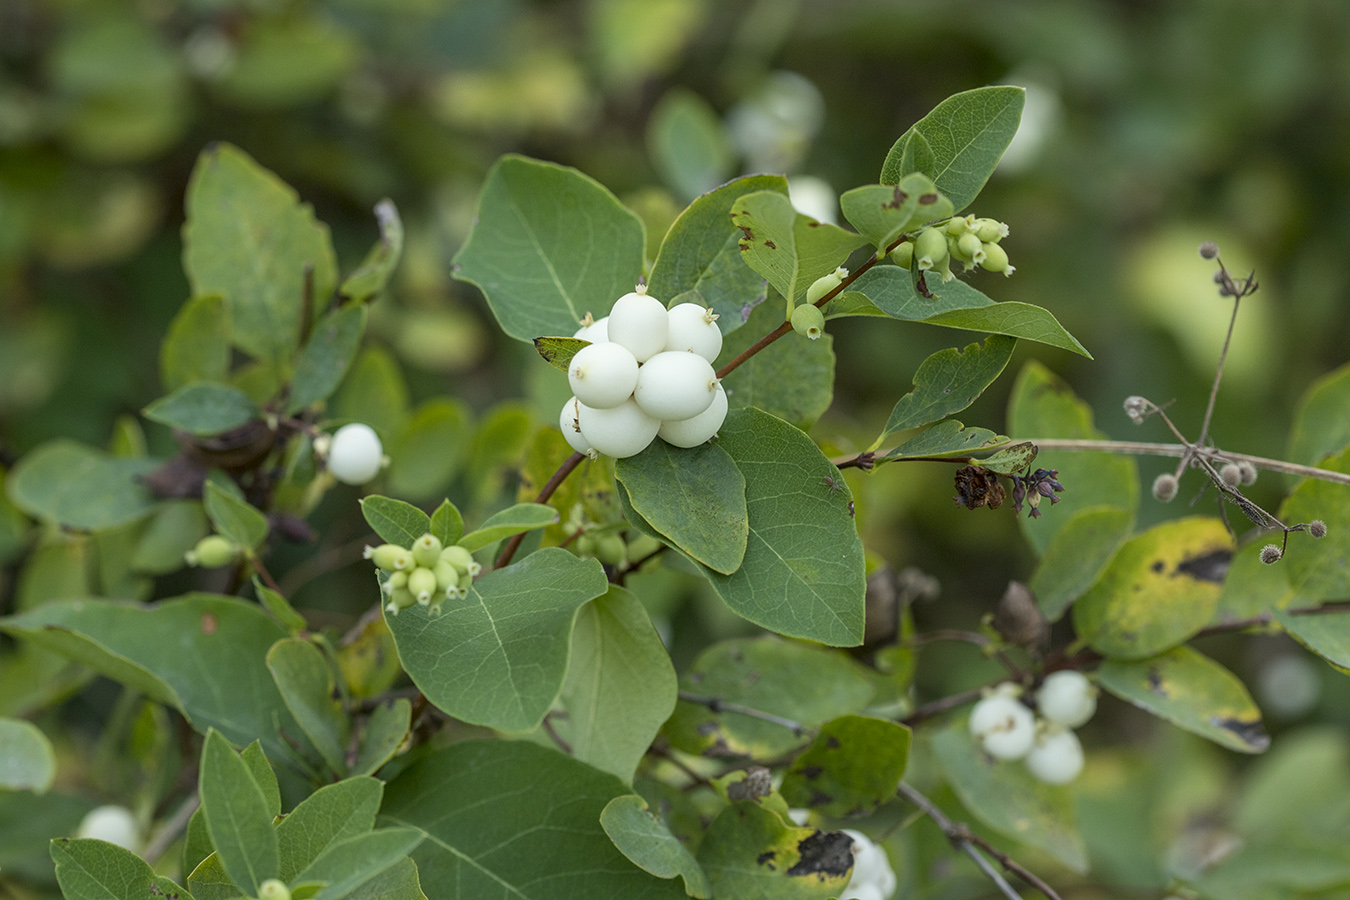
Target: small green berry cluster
point(807, 319)
point(966, 239)
point(428, 574)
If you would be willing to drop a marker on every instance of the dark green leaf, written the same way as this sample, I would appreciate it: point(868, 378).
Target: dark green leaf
point(382, 735)
point(789, 249)
point(851, 768)
point(197, 345)
point(280, 608)
point(543, 839)
point(79, 487)
point(327, 356)
point(348, 864)
point(374, 393)
point(688, 144)
point(1192, 691)
point(28, 763)
point(236, 816)
point(949, 439)
point(750, 853)
point(701, 256)
point(306, 685)
point(430, 448)
point(1321, 426)
point(694, 497)
point(948, 382)
point(1320, 569)
point(647, 842)
point(249, 239)
point(263, 776)
point(374, 272)
point(172, 531)
point(1022, 320)
point(792, 378)
point(1325, 633)
point(966, 135)
point(88, 869)
point(883, 212)
point(548, 246)
point(1076, 555)
point(395, 521)
point(203, 408)
point(447, 524)
point(196, 843)
point(330, 815)
point(558, 351)
point(498, 657)
point(235, 519)
point(512, 520)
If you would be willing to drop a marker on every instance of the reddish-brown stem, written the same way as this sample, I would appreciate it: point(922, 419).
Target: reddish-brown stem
point(547, 491)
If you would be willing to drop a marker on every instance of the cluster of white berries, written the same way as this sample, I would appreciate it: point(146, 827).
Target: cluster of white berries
point(1005, 727)
point(646, 372)
point(428, 574)
point(972, 241)
point(353, 454)
point(872, 878)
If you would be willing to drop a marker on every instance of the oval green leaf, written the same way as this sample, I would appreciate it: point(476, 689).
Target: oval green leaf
point(395, 521)
point(79, 487)
point(510, 521)
point(641, 836)
point(851, 768)
point(27, 761)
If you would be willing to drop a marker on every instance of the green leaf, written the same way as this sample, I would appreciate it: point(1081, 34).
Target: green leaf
point(1325, 633)
point(249, 239)
point(1277, 871)
point(172, 531)
point(375, 270)
point(806, 684)
point(1007, 798)
point(76, 486)
point(89, 869)
point(543, 839)
point(750, 853)
point(347, 865)
point(558, 351)
point(802, 575)
point(1160, 588)
point(280, 608)
point(883, 212)
point(645, 839)
point(1044, 406)
point(498, 657)
point(196, 844)
point(1321, 426)
point(688, 144)
point(28, 763)
point(548, 245)
point(620, 685)
point(263, 776)
point(214, 634)
point(374, 392)
point(395, 521)
point(1320, 568)
point(510, 521)
point(447, 524)
point(332, 814)
point(949, 439)
point(197, 345)
point(792, 378)
point(430, 448)
point(1076, 555)
point(1021, 320)
point(306, 685)
point(327, 356)
point(695, 498)
point(701, 256)
point(382, 736)
point(235, 519)
point(789, 249)
point(236, 816)
point(398, 882)
point(210, 881)
point(1191, 691)
point(203, 408)
point(852, 767)
point(948, 382)
point(966, 135)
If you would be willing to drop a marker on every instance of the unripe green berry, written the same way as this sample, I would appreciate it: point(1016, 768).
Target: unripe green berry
point(400, 598)
point(273, 889)
point(808, 321)
point(426, 550)
point(996, 260)
point(991, 231)
point(422, 584)
point(447, 576)
point(585, 545)
point(969, 248)
point(930, 248)
point(458, 557)
point(390, 557)
point(212, 552)
point(395, 581)
point(959, 225)
point(824, 284)
point(903, 255)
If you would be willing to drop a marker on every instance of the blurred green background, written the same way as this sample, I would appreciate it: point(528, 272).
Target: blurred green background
point(1149, 127)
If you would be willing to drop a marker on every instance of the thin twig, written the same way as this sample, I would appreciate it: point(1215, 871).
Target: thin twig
point(557, 738)
point(938, 707)
point(322, 563)
point(960, 837)
point(564, 470)
point(170, 830)
point(718, 705)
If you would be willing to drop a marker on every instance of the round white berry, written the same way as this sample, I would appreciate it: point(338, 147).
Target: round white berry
point(694, 328)
point(114, 824)
point(597, 332)
point(602, 375)
point(1066, 698)
point(675, 385)
point(695, 430)
point(871, 866)
point(1002, 726)
point(640, 323)
point(355, 455)
point(1056, 756)
point(621, 431)
point(567, 423)
point(863, 890)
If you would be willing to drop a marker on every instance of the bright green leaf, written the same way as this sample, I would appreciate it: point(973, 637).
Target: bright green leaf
point(327, 356)
point(882, 212)
point(236, 816)
point(80, 487)
point(1192, 691)
point(792, 378)
point(498, 657)
point(966, 135)
point(694, 497)
point(750, 853)
point(395, 521)
point(235, 519)
point(28, 763)
point(549, 245)
point(1076, 555)
point(375, 270)
point(330, 815)
point(306, 685)
point(510, 521)
point(197, 345)
point(447, 524)
point(88, 869)
point(851, 768)
point(948, 382)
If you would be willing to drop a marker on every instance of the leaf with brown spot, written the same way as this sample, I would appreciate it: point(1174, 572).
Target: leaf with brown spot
point(558, 351)
point(790, 253)
point(851, 768)
point(750, 852)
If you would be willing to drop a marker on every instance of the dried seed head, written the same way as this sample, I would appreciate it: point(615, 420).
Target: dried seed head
point(1164, 487)
point(1231, 474)
point(1248, 472)
point(1317, 528)
point(1271, 554)
point(1209, 250)
point(1136, 408)
point(1019, 619)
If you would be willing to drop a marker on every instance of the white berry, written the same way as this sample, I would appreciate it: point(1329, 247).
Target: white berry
point(1066, 698)
point(695, 430)
point(694, 328)
point(622, 431)
point(355, 455)
point(675, 385)
point(871, 868)
point(603, 375)
point(567, 423)
point(114, 824)
point(1003, 726)
point(640, 323)
point(1056, 755)
point(596, 332)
